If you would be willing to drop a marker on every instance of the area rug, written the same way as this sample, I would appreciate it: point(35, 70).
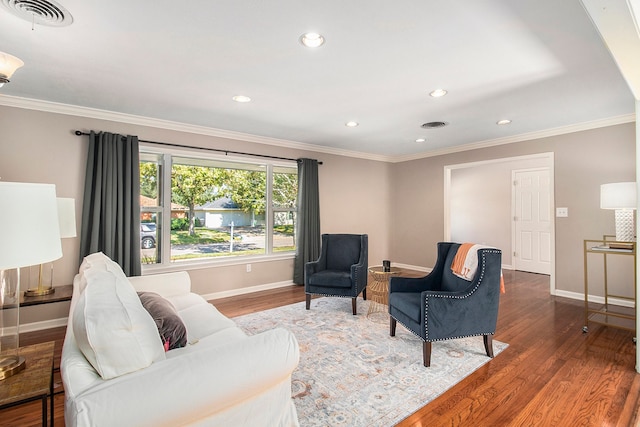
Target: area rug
point(352, 373)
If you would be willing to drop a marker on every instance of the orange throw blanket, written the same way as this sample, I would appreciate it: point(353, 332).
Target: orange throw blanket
point(465, 263)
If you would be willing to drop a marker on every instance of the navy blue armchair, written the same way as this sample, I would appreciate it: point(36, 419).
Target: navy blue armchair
point(442, 306)
point(341, 270)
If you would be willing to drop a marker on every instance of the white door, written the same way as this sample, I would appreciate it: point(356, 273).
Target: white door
point(532, 220)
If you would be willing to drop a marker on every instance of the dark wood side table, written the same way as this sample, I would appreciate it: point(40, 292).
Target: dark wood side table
point(62, 293)
point(34, 383)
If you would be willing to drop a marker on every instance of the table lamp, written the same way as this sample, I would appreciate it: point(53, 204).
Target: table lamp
point(621, 196)
point(67, 223)
point(29, 235)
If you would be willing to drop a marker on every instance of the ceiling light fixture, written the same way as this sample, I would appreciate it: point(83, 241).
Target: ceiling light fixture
point(241, 98)
point(503, 122)
point(420, 140)
point(312, 40)
point(438, 93)
point(351, 124)
point(8, 65)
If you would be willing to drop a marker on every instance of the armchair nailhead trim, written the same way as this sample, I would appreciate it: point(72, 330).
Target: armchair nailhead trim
point(329, 295)
point(442, 339)
point(426, 302)
point(339, 296)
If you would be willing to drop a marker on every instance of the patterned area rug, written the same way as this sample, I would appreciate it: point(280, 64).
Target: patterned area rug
point(352, 373)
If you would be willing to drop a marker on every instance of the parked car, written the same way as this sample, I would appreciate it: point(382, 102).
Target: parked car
point(147, 235)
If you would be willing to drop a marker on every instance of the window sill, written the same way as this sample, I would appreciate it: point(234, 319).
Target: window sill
point(208, 263)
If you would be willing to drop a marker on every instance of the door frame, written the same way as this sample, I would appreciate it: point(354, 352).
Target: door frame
point(548, 158)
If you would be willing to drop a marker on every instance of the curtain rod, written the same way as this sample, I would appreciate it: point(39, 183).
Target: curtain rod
point(226, 152)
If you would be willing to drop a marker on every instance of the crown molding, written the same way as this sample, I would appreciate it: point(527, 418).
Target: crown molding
point(93, 113)
point(612, 121)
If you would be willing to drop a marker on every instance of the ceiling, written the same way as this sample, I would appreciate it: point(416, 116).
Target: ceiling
point(541, 64)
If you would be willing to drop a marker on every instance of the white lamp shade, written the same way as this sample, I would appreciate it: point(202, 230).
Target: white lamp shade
point(618, 195)
point(9, 64)
point(67, 217)
point(29, 228)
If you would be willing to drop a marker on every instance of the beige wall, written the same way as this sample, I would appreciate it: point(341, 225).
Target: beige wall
point(39, 146)
point(400, 205)
point(583, 161)
point(480, 198)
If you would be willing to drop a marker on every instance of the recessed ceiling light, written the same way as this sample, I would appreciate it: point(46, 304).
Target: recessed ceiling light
point(312, 39)
point(438, 93)
point(503, 122)
point(241, 98)
point(420, 140)
point(351, 124)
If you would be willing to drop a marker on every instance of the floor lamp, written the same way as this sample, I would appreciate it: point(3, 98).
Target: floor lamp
point(67, 223)
point(29, 235)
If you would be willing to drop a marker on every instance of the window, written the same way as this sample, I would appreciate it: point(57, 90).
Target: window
point(218, 208)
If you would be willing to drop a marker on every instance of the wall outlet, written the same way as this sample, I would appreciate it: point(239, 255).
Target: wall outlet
point(248, 268)
point(562, 212)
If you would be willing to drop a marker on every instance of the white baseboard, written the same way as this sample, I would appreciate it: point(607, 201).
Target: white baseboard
point(45, 324)
point(54, 323)
point(412, 267)
point(248, 290)
point(594, 298)
point(428, 269)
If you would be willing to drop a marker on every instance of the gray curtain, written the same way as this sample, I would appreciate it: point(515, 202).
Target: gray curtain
point(111, 204)
point(308, 218)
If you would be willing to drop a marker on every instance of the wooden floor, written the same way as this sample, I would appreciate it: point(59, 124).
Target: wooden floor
point(550, 375)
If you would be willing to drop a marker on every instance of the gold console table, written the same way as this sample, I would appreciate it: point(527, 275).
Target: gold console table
point(606, 313)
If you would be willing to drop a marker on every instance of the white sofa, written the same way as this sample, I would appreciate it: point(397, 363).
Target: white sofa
point(117, 373)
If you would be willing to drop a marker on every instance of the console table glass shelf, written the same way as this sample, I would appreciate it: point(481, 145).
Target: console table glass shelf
point(606, 313)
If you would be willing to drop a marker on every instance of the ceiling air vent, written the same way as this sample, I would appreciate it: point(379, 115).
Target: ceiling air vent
point(41, 12)
point(434, 125)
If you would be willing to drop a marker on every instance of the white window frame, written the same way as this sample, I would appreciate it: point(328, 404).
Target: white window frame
point(164, 190)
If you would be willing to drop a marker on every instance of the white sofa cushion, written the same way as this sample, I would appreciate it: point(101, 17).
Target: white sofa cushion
point(200, 318)
point(164, 284)
point(113, 330)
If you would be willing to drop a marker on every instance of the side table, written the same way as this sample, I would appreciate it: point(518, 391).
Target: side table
point(609, 313)
point(34, 383)
point(378, 288)
point(62, 293)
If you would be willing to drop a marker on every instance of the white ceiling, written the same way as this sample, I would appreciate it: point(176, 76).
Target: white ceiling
point(541, 64)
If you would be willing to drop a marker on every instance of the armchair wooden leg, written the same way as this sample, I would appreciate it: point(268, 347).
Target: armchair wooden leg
point(488, 345)
point(353, 305)
point(426, 353)
point(308, 301)
point(364, 294)
point(392, 326)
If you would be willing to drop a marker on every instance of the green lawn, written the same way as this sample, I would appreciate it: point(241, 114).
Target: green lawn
point(208, 236)
point(203, 236)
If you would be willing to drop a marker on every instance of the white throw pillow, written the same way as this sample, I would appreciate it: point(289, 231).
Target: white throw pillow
point(97, 260)
point(112, 329)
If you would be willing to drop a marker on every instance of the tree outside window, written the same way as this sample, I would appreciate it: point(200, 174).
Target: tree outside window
point(219, 208)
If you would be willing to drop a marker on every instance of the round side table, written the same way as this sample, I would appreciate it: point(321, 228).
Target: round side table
point(378, 288)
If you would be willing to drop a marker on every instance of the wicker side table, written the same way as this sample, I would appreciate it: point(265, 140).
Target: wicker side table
point(378, 288)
